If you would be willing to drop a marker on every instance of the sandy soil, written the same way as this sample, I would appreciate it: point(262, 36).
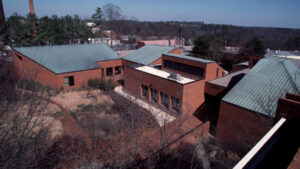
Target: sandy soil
point(70, 100)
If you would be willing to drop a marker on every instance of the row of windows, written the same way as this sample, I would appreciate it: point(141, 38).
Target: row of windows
point(109, 71)
point(69, 80)
point(184, 68)
point(176, 105)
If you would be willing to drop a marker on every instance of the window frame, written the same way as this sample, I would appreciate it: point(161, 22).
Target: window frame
point(154, 99)
point(145, 94)
point(107, 70)
point(163, 99)
point(176, 104)
point(70, 81)
point(119, 70)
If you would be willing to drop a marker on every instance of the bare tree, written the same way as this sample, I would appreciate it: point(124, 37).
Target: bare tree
point(24, 133)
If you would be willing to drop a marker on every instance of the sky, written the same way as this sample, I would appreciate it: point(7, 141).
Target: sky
point(262, 13)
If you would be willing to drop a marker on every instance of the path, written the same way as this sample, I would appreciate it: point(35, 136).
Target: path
point(70, 127)
point(161, 116)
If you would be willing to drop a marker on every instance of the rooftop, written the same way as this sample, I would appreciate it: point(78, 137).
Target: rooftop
point(69, 58)
point(242, 64)
point(268, 80)
point(230, 80)
point(148, 54)
point(189, 58)
point(164, 74)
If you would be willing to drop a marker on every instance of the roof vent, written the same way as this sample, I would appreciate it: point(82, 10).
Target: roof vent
point(174, 76)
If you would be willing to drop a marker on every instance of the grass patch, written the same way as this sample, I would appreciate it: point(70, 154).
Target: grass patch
point(86, 108)
point(57, 114)
point(99, 83)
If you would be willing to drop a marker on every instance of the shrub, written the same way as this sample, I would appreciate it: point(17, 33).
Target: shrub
point(105, 85)
point(57, 114)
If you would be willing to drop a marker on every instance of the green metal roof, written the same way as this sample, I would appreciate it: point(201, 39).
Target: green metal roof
point(148, 54)
point(69, 58)
point(189, 58)
point(261, 88)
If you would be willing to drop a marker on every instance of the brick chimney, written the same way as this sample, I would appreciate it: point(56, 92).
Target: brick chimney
point(31, 7)
point(2, 16)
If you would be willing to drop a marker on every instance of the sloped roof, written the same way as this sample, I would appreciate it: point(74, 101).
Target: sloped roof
point(268, 80)
point(69, 58)
point(189, 58)
point(148, 54)
point(231, 79)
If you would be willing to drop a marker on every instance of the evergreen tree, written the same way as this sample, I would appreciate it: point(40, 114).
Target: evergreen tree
point(255, 47)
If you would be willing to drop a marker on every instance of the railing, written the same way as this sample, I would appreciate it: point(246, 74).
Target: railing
point(259, 151)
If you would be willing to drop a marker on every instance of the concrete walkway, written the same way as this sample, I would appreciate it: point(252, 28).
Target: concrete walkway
point(161, 116)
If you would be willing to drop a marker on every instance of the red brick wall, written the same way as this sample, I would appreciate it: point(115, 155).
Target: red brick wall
point(113, 64)
point(238, 67)
point(80, 78)
point(210, 70)
point(157, 62)
point(240, 126)
point(252, 60)
point(140, 44)
point(176, 51)
point(215, 90)
point(189, 94)
point(127, 63)
point(31, 70)
point(193, 96)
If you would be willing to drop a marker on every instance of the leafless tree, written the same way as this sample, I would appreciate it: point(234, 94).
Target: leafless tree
point(24, 133)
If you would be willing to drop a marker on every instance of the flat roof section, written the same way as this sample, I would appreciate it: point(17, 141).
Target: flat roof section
point(164, 74)
point(230, 80)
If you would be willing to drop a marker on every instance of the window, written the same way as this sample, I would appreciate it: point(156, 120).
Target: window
point(145, 91)
point(154, 96)
point(164, 99)
point(109, 71)
point(217, 73)
point(176, 104)
point(102, 72)
point(117, 70)
point(184, 68)
point(69, 81)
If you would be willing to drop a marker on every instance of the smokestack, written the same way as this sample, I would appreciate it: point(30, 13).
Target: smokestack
point(2, 16)
point(31, 7)
point(32, 13)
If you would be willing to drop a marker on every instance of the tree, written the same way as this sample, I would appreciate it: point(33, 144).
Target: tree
point(98, 17)
point(112, 12)
point(255, 47)
point(201, 47)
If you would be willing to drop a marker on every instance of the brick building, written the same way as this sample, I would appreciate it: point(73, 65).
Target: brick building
point(67, 66)
point(177, 84)
point(248, 110)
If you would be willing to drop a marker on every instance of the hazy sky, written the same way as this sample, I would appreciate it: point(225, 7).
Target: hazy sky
point(270, 13)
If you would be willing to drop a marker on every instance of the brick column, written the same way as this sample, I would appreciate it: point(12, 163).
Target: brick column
point(158, 97)
point(149, 93)
point(170, 102)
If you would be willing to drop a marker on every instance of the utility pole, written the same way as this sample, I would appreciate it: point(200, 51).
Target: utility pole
point(2, 16)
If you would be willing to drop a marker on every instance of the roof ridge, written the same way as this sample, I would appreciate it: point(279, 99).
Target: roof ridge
point(61, 45)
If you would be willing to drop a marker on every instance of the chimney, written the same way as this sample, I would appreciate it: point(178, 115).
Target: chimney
point(2, 16)
point(31, 7)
